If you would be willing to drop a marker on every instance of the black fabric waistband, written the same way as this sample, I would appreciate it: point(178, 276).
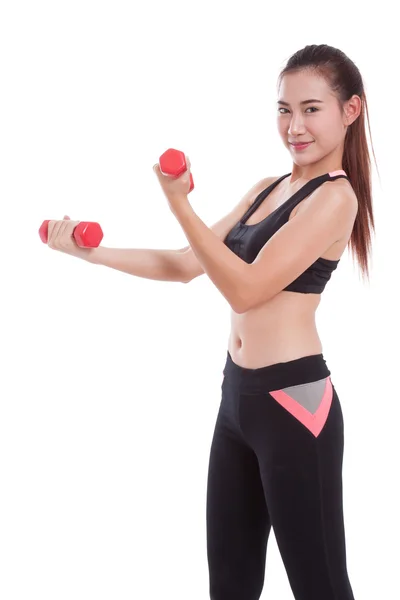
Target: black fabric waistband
point(277, 376)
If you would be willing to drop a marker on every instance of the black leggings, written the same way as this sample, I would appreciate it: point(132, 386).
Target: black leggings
point(276, 459)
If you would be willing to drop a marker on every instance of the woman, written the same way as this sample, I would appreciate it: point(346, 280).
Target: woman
point(277, 449)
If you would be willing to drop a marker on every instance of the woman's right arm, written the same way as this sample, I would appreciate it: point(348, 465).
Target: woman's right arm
point(164, 265)
point(161, 265)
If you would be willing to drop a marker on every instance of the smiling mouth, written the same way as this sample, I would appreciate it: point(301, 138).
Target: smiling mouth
point(300, 144)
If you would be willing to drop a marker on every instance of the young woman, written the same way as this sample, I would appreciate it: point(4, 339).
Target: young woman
point(277, 449)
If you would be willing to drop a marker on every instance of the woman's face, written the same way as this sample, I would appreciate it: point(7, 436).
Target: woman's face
point(318, 122)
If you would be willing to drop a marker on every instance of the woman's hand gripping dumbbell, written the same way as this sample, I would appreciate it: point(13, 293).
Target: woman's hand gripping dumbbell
point(175, 178)
point(173, 163)
point(76, 238)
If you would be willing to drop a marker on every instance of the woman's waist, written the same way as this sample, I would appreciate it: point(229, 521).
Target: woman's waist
point(257, 350)
point(255, 344)
point(294, 321)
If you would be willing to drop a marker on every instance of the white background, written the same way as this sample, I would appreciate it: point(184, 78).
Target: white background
point(110, 384)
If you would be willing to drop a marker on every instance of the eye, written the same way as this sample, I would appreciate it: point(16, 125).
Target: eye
point(309, 108)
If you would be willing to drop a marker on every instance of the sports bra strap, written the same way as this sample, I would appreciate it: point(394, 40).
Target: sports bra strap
point(337, 173)
point(304, 191)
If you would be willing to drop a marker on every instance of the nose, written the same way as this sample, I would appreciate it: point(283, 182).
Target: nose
point(296, 126)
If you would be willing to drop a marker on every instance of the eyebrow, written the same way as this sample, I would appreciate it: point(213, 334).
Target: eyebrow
point(312, 100)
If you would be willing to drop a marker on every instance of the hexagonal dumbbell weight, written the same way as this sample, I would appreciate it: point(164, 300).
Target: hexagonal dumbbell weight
point(173, 162)
point(87, 234)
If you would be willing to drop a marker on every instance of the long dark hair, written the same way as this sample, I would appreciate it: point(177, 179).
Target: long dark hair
point(344, 79)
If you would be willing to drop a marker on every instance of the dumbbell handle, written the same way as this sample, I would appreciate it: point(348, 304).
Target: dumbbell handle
point(173, 162)
point(87, 234)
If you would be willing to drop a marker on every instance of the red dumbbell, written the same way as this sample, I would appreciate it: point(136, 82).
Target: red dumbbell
point(87, 234)
point(173, 162)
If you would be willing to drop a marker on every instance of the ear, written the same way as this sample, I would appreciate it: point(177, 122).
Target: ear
point(353, 109)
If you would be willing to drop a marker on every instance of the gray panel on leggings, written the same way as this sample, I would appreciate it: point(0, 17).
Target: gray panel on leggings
point(308, 395)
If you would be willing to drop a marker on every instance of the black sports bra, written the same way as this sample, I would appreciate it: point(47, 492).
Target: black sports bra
point(247, 240)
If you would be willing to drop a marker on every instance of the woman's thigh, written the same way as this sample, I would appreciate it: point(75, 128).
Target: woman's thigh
point(238, 523)
point(297, 436)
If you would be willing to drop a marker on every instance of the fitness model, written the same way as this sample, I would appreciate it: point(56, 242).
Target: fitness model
point(277, 448)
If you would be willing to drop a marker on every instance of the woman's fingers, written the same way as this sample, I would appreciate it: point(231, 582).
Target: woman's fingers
point(60, 234)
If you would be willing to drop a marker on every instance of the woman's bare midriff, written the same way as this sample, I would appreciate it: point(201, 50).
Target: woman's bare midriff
point(283, 329)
